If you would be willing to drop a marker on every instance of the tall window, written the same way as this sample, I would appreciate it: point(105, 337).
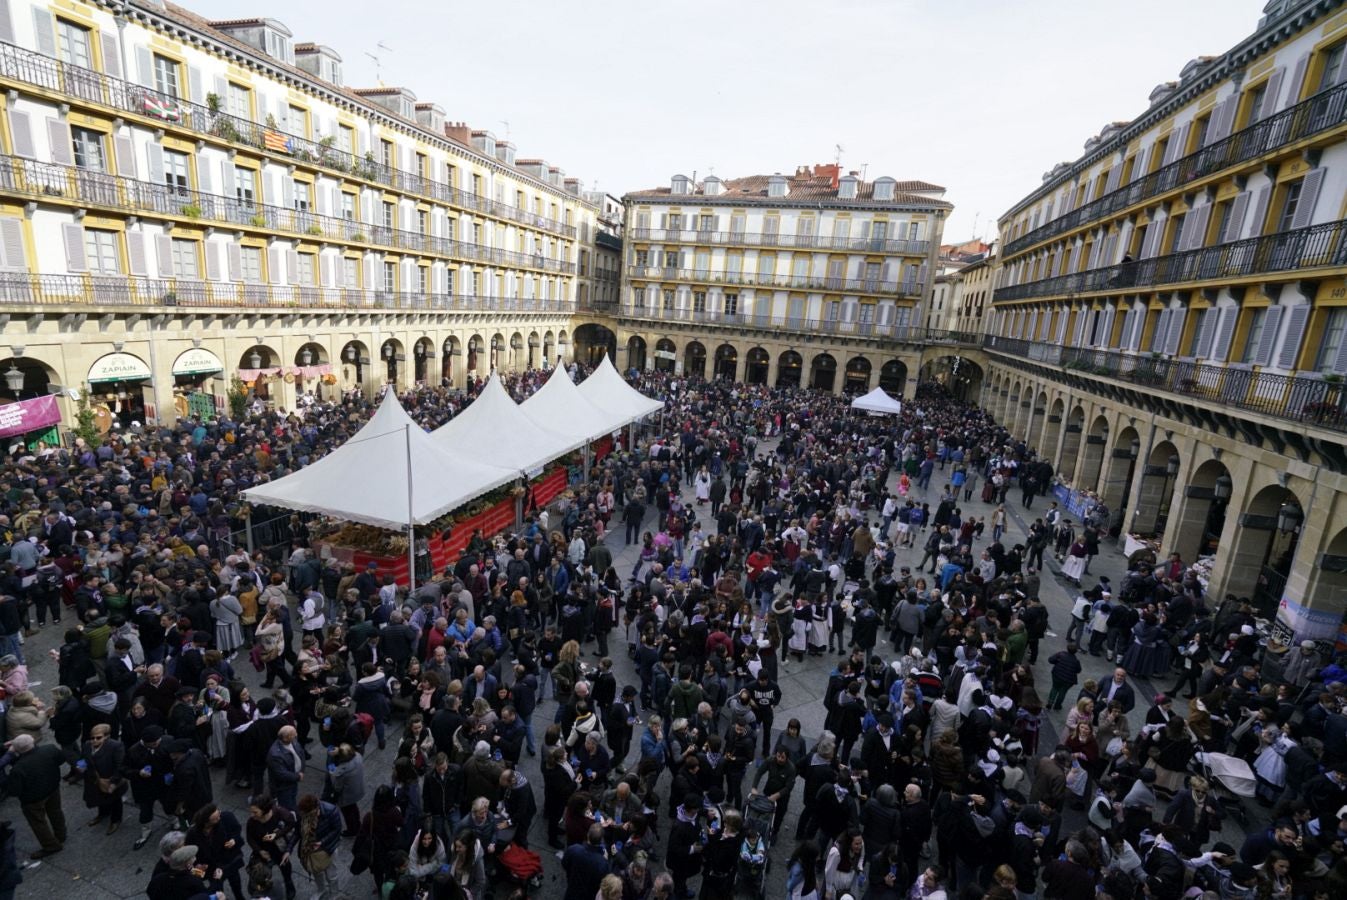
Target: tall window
point(699, 301)
point(1256, 322)
point(668, 304)
point(388, 215)
point(1176, 237)
point(348, 207)
point(1334, 331)
point(184, 258)
point(238, 101)
point(302, 191)
point(390, 276)
point(100, 251)
point(297, 121)
point(74, 49)
point(88, 145)
point(731, 304)
point(166, 75)
point(422, 221)
point(350, 269)
point(345, 139)
point(175, 171)
point(638, 298)
point(1289, 204)
point(251, 258)
point(1255, 101)
point(245, 186)
point(306, 274)
point(1332, 66)
point(386, 153)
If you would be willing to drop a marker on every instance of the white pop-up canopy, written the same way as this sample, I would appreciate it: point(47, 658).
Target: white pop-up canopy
point(390, 474)
point(608, 390)
point(495, 427)
point(878, 401)
point(559, 407)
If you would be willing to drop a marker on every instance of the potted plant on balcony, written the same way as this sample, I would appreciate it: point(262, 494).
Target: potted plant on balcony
point(1323, 411)
point(191, 210)
point(259, 221)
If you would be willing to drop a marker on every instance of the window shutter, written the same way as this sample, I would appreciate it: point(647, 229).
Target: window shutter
point(1235, 224)
point(1174, 149)
point(275, 266)
point(292, 260)
point(6, 23)
point(1295, 331)
point(44, 30)
point(1139, 167)
point(212, 261)
point(321, 200)
point(11, 244)
point(1175, 333)
point(1340, 360)
point(1074, 266)
point(58, 135)
point(135, 253)
point(74, 247)
point(1114, 176)
point(287, 192)
point(1079, 330)
point(1129, 316)
point(325, 270)
point(222, 91)
point(1161, 333)
point(144, 67)
point(1259, 212)
point(1268, 338)
point(1297, 81)
point(164, 246)
point(1222, 118)
point(194, 85)
point(1206, 330)
point(1061, 325)
point(21, 135)
point(1110, 251)
point(203, 176)
point(112, 56)
point(154, 154)
point(1225, 332)
point(234, 261)
point(1106, 331)
point(1152, 239)
point(1033, 325)
point(126, 156)
point(1309, 196)
point(1273, 94)
point(227, 179)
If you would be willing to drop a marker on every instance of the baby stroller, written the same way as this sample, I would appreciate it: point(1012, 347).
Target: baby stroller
point(759, 812)
point(1231, 778)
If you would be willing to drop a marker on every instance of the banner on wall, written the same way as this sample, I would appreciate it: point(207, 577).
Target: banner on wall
point(1299, 623)
point(1073, 503)
point(28, 415)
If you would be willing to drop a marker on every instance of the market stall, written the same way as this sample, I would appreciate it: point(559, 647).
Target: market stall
point(878, 402)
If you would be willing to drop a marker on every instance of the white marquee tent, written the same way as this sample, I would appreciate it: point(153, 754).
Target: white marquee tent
point(878, 401)
point(606, 389)
point(558, 406)
point(497, 427)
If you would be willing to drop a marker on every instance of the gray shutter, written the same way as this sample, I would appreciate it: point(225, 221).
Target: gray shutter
point(1139, 167)
point(292, 262)
point(1206, 330)
point(135, 252)
point(154, 155)
point(1114, 176)
point(1295, 331)
point(112, 55)
point(275, 265)
point(1296, 82)
point(1340, 361)
point(1259, 212)
point(1272, 95)
point(44, 30)
point(1235, 223)
point(1195, 228)
point(203, 176)
point(321, 200)
point(126, 156)
point(1151, 243)
point(194, 85)
point(212, 261)
point(1175, 333)
point(1161, 333)
point(21, 135)
point(1268, 338)
point(6, 23)
point(287, 192)
point(1129, 317)
point(1309, 196)
point(227, 179)
point(1222, 118)
point(58, 137)
point(234, 260)
point(145, 66)
point(1110, 251)
point(164, 245)
point(325, 269)
point(1225, 332)
point(221, 91)
point(74, 247)
point(11, 244)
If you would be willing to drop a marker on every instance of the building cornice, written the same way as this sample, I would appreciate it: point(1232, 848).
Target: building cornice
point(937, 208)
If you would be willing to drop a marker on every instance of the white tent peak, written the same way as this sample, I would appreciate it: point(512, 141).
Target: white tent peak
point(493, 414)
point(608, 390)
point(878, 401)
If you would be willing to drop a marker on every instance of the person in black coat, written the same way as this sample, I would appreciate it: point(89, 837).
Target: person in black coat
point(622, 716)
point(558, 785)
point(835, 807)
point(145, 765)
point(218, 837)
point(516, 795)
point(585, 865)
point(685, 850)
point(914, 823)
point(720, 858)
point(189, 783)
point(880, 751)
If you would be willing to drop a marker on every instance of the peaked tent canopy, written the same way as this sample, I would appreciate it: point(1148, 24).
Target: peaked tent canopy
point(608, 390)
point(493, 420)
point(366, 478)
point(878, 401)
point(558, 406)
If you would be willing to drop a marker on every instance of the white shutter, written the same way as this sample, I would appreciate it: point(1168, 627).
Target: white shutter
point(154, 155)
point(320, 198)
point(221, 91)
point(1129, 316)
point(1175, 333)
point(164, 246)
point(21, 135)
point(1268, 338)
point(1234, 225)
point(1151, 242)
point(1222, 118)
point(1110, 251)
point(204, 182)
point(1079, 330)
point(212, 261)
point(112, 57)
point(234, 261)
point(145, 67)
point(44, 31)
point(1195, 227)
point(276, 266)
point(1106, 330)
point(325, 266)
point(126, 156)
point(12, 257)
point(287, 192)
point(1295, 332)
point(1206, 330)
point(1309, 196)
point(6, 23)
point(1225, 332)
point(1259, 212)
point(1061, 325)
point(1296, 82)
point(194, 85)
point(1272, 96)
point(1033, 325)
point(227, 180)
point(74, 247)
point(292, 261)
point(1161, 333)
point(135, 252)
point(62, 153)
point(1139, 166)
point(1114, 176)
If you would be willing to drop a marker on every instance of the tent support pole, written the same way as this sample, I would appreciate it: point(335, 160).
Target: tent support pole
point(411, 522)
point(587, 452)
point(248, 530)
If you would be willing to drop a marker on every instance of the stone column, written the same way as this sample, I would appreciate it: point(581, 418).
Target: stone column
point(1114, 486)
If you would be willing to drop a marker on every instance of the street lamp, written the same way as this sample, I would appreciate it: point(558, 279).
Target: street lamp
point(1135, 447)
point(388, 351)
point(1289, 517)
point(305, 357)
point(350, 354)
point(1223, 488)
point(14, 380)
point(255, 359)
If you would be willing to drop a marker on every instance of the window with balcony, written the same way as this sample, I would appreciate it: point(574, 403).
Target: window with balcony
point(303, 194)
point(800, 270)
point(737, 225)
point(731, 304)
point(1330, 348)
point(386, 151)
point(348, 207)
point(238, 101)
point(307, 273)
point(73, 44)
point(1257, 319)
point(766, 266)
point(671, 260)
point(1176, 234)
point(638, 298)
point(345, 139)
point(297, 121)
point(350, 273)
point(872, 270)
point(914, 231)
point(1253, 103)
point(251, 260)
point(699, 301)
point(245, 186)
point(166, 75)
point(389, 216)
point(422, 222)
point(641, 258)
point(832, 310)
point(1198, 138)
point(667, 304)
point(675, 222)
point(176, 166)
point(703, 263)
point(88, 146)
point(184, 258)
point(1331, 73)
point(100, 252)
point(1290, 201)
point(706, 223)
point(390, 277)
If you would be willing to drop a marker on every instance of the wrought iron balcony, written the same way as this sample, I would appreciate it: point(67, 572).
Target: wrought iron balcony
point(1318, 246)
point(796, 282)
point(1319, 114)
point(1293, 398)
point(45, 72)
point(800, 324)
point(68, 291)
point(772, 239)
point(25, 177)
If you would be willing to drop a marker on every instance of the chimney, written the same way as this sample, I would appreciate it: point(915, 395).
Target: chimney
point(458, 131)
point(831, 171)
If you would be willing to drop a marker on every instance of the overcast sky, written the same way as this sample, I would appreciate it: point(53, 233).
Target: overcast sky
point(981, 96)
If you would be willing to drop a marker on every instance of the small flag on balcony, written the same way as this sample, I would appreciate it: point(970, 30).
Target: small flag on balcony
point(274, 140)
point(161, 108)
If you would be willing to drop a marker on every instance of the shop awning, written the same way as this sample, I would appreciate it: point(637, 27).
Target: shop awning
point(118, 367)
point(197, 361)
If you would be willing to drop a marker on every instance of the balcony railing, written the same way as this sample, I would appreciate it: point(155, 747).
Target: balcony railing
point(126, 195)
point(1320, 113)
point(797, 282)
point(28, 67)
point(768, 239)
point(1292, 398)
point(1314, 247)
point(799, 324)
point(18, 288)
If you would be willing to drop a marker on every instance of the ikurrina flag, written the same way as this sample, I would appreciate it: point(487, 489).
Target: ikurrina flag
point(160, 107)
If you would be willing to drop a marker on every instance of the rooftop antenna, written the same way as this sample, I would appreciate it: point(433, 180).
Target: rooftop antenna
point(837, 157)
point(864, 167)
point(976, 216)
point(507, 128)
point(378, 62)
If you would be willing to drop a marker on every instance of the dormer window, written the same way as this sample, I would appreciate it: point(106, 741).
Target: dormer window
point(846, 187)
point(679, 184)
point(278, 45)
point(711, 186)
point(884, 188)
point(776, 186)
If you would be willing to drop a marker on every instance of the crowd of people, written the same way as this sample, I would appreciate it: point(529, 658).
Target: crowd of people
point(772, 526)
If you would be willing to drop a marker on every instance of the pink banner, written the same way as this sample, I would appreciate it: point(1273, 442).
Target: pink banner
point(28, 415)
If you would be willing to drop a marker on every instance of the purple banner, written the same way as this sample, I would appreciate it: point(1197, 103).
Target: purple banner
point(28, 415)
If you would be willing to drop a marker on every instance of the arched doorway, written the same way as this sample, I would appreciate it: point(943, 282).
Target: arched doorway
point(1052, 432)
point(1264, 547)
point(666, 355)
point(394, 358)
point(1092, 460)
point(893, 377)
point(961, 377)
point(26, 378)
point(564, 347)
point(788, 367)
point(1122, 466)
point(1201, 511)
point(497, 347)
point(535, 344)
point(423, 360)
point(591, 343)
point(1326, 582)
point(549, 349)
point(636, 353)
point(727, 362)
point(308, 356)
point(260, 364)
point(755, 366)
point(451, 350)
point(1072, 435)
point(858, 376)
point(515, 358)
point(1155, 496)
point(478, 364)
point(823, 372)
point(1034, 436)
point(355, 365)
point(1012, 409)
point(694, 359)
